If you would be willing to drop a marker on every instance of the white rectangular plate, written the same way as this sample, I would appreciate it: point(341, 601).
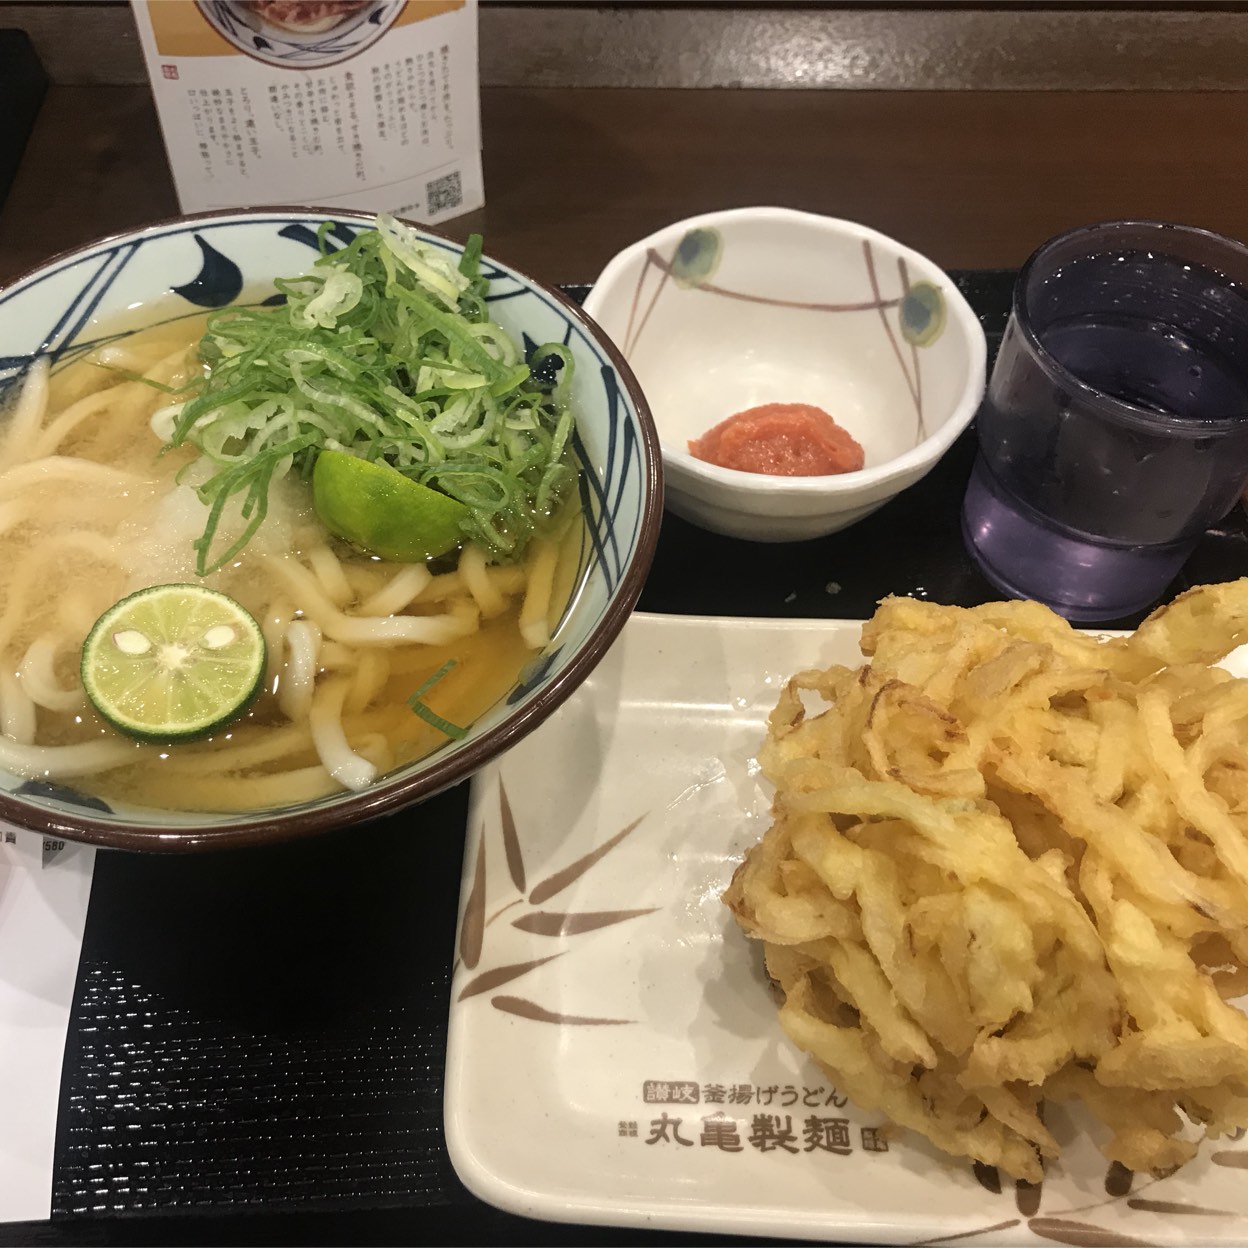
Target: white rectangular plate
point(614, 1055)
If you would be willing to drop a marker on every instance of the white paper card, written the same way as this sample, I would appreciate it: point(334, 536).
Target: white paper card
point(45, 885)
point(369, 104)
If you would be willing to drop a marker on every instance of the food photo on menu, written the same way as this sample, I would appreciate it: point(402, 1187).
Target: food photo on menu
point(305, 17)
point(754, 744)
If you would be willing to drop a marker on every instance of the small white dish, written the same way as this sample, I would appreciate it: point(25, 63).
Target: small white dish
point(614, 1054)
point(730, 310)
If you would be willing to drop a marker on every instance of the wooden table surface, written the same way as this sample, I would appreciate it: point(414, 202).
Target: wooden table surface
point(973, 179)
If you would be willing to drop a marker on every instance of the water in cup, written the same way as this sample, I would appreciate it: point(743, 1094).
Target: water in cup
point(1115, 428)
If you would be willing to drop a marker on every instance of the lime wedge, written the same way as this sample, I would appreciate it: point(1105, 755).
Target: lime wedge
point(378, 509)
point(172, 662)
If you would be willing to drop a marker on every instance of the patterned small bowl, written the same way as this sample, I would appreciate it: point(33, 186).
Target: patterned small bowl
point(730, 310)
point(186, 266)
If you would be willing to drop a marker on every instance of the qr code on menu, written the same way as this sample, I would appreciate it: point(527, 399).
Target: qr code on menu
point(444, 192)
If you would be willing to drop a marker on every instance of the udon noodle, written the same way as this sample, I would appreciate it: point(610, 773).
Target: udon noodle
point(89, 512)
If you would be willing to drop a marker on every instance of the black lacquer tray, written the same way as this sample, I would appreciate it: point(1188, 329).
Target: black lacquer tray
point(257, 1041)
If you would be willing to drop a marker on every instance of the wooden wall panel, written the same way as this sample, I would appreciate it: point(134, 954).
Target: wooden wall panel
point(920, 46)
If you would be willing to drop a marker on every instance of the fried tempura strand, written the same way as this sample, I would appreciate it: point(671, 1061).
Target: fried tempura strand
point(1009, 863)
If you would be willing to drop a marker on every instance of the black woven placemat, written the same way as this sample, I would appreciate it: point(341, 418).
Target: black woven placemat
point(265, 1028)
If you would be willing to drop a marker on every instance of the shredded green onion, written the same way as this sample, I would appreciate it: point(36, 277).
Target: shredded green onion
point(128, 374)
point(454, 731)
point(385, 350)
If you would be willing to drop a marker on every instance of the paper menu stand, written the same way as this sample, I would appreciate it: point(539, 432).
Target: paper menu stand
point(368, 104)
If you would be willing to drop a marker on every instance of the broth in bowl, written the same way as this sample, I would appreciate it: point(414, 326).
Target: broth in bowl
point(333, 618)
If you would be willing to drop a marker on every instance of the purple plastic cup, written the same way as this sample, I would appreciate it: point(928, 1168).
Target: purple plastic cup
point(1114, 430)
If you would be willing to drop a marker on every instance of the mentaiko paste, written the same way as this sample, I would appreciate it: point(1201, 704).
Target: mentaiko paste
point(780, 439)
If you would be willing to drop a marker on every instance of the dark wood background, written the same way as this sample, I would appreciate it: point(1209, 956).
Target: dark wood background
point(973, 131)
point(865, 44)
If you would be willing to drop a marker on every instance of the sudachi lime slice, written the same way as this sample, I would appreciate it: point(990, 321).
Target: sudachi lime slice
point(378, 509)
point(173, 661)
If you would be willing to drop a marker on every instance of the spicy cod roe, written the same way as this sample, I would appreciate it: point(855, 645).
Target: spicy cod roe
point(780, 439)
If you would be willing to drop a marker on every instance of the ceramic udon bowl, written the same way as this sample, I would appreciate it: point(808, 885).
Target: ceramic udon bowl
point(730, 310)
point(211, 260)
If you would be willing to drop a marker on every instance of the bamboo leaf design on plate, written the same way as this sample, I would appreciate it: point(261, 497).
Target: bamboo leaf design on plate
point(556, 883)
point(1230, 1157)
point(531, 1010)
point(988, 1177)
point(500, 975)
point(1118, 1179)
point(537, 922)
point(1027, 1197)
point(511, 838)
point(553, 923)
point(961, 1236)
point(1083, 1234)
point(472, 929)
point(1176, 1206)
